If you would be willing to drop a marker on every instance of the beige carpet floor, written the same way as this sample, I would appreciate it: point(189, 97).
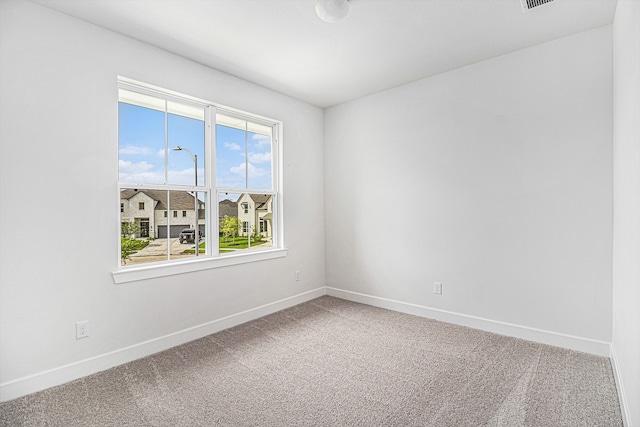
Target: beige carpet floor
point(330, 362)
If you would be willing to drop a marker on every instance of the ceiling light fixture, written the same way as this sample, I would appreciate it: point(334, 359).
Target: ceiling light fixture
point(332, 10)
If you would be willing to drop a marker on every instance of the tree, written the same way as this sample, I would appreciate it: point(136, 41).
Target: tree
point(257, 237)
point(129, 228)
point(229, 227)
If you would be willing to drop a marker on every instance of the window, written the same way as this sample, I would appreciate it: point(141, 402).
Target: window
point(217, 166)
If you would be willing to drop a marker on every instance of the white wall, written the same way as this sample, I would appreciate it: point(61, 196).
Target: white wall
point(58, 135)
point(494, 179)
point(626, 204)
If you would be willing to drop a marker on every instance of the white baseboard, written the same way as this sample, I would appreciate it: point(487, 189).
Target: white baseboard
point(63, 374)
point(599, 348)
point(626, 418)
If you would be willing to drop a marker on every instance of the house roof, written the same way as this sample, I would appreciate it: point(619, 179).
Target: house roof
point(260, 199)
point(227, 207)
point(180, 200)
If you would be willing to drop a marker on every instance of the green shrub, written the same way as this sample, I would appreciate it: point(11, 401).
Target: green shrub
point(129, 247)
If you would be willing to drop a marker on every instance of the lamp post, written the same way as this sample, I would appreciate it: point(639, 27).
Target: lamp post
point(196, 230)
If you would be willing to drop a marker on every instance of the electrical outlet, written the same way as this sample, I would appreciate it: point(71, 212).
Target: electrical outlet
point(82, 329)
point(437, 288)
point(297, 276)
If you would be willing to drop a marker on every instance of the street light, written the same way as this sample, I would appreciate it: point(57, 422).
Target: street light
point(196, 230)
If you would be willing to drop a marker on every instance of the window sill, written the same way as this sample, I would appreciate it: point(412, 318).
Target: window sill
point(132, 274)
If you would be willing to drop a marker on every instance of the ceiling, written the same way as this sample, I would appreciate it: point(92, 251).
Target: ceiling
point(283, 45)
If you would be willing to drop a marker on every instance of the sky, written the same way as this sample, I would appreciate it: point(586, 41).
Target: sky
point(233, 146)
point(142, 151)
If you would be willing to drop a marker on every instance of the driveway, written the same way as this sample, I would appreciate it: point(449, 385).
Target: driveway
point(156, 250)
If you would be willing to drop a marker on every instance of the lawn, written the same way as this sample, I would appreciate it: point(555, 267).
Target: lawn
point(228, 245)
point(130, 246)
point(202, 246)
point(238, 243)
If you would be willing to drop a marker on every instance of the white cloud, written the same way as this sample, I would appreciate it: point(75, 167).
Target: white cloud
point(259, 157)
point(141, 177)
point(185, 177)
point(131, 167)
point(139, 172)
point(261, 140)
point(253, 171)
point(232, 146)
point(161, 152)
point(134, 150)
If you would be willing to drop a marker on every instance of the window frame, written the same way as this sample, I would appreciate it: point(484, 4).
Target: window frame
point(212, 258)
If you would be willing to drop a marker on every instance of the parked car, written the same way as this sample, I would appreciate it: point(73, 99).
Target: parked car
point(189, 235)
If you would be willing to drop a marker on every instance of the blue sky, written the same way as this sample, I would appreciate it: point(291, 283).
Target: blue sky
point(142, 151)
point(232, 148)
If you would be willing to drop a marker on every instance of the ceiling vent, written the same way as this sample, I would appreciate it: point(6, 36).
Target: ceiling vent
point(527, 5)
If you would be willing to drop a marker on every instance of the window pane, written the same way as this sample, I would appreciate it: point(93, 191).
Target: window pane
point(261, 220)
point(182, 228)
point(244, 155)
point(140, 144)
point(230, 228)
point(150, 235)
point(246, 221)
point(186, 149)
point(259, 153)
point(139, 242)
point(231, 152)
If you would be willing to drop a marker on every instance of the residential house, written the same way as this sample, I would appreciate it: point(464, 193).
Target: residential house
point(255, 214)
point(158, 213)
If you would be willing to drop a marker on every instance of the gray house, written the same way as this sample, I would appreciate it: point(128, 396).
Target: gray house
point(228, 208)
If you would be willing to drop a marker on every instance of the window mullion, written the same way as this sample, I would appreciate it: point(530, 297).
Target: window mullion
point(246, 156)
point(166, 178)
point(166, 143)
point(169, 216)
point(275, 182)
point(213, 225)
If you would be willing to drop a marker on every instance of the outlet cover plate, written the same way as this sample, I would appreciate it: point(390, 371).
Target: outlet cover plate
point(82, 329)
point(437, 288)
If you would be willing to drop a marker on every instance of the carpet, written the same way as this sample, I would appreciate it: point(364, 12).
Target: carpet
point(330, 362)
